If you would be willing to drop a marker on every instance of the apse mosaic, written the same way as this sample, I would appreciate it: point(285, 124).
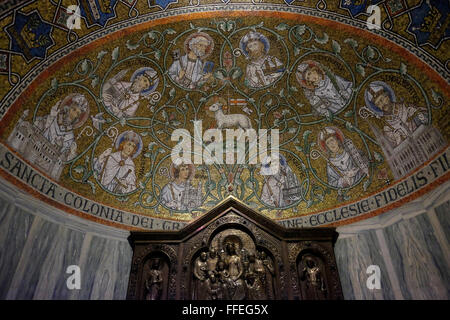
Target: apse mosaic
point(89, 106)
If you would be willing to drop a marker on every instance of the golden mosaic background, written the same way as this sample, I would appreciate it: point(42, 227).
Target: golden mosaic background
point(411, 79)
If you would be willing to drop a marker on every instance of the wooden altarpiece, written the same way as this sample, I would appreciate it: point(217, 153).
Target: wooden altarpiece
point(234, 253)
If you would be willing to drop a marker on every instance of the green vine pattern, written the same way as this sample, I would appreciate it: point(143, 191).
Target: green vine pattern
point(182, 106)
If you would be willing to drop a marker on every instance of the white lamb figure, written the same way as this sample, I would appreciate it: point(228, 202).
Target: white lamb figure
point(229, 120)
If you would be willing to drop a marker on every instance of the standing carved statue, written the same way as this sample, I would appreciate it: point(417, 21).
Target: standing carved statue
point(200, 275)
point(154, 282)
point(269, 274)
point(255, 269)
point(235, 269)
point(259, 268)
point(255, 289)
point(225, 280)
point(315, 284)
point(233, 261)
point(246, 267)
point(250, 264)
point(212, 260)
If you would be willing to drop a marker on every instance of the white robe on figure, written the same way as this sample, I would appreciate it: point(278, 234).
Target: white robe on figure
point(327, 97)
point(255, 76)
point(123, 103)
point(116, 174)
point(57, 135)
point(193, 72)
point(349, 172)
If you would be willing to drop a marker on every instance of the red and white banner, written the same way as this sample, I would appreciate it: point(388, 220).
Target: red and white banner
point(237, 102)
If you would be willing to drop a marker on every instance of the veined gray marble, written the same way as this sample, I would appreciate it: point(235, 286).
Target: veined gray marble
point(14, 228)
point(418, 259)
point(105, 273)
point(354, 255)
point(342, 260)
point(41, 238)
point(35, 253)
point(125, 253)
point(64, 252)
point(443, 215)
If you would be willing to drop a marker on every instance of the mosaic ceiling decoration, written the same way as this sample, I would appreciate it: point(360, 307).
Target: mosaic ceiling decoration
point(92, 92)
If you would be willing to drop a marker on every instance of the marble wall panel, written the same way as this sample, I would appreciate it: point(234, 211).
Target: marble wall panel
point(15, 224)
point(443, 215)
point(354, 255)
point(125, 253)
point(65, 252)
point(105, 273)
point(342, 260)
point(40, 241)
point(35, 254)
point(418, 259)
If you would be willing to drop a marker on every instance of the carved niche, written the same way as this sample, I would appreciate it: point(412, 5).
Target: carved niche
point(234, 253)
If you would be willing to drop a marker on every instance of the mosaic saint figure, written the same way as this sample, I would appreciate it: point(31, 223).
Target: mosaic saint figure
point(262, 68)
point(180, 194)
point(399, 118)
point(323, 89)
point(122, 97)
point(280, 188)
point(58, 126)
point(191, 70)
point(345, 163)
point(116, 170)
